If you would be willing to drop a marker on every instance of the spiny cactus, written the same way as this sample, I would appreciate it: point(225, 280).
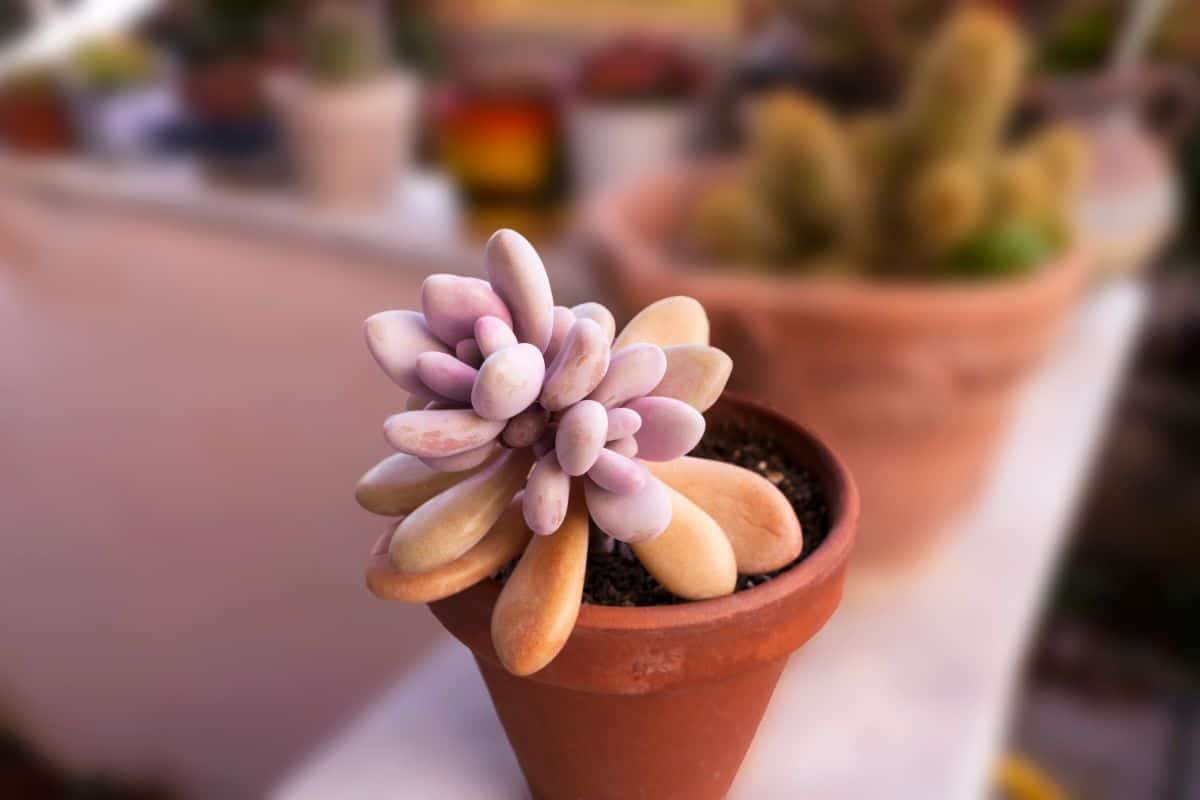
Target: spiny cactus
point(797, 198)
point(731, 224)
point(946, 203)
point(870, 138)
point(1063, 155)
point(1020, 187)
point(343, 43)
point(922, 190)
point(800, 167)
point(954, 111)
point(963, 89)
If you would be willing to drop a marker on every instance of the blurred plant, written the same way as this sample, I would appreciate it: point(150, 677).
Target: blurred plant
point(212, 30)
point(866, 31)
point(638, 69)
point(1083, 34)
point(416, 35)
point(344, 43)
point(929, 189)
point(114, 63)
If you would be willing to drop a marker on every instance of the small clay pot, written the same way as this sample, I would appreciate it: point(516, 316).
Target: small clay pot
point(663, 701)
point(910, 382)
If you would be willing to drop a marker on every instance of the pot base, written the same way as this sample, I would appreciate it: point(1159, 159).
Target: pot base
point(681, 745)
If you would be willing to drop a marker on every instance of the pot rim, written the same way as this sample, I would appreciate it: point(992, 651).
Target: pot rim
point(833, 550)
point(829, 556)
point(608, 225)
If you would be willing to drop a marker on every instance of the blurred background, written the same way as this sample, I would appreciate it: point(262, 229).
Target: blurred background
point(198, 210)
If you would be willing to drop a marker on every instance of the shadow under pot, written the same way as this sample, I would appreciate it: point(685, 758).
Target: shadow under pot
point(911, 382)
point(663, 701)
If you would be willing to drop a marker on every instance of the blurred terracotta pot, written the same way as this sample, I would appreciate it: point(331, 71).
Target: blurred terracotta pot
point(663, 701)
point(349, 144)
point(910, 382)
point(35, 123)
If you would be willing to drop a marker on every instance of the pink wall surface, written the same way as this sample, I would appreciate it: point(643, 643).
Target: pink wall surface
point(183, 414)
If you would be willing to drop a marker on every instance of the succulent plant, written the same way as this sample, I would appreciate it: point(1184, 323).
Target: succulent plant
point(530, 423)
point(918, 191)
point(343, 43)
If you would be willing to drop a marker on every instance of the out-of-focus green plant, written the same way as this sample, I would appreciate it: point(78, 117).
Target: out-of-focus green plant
point(1083, 34)
point(1081, 37)
point(114, 63)
point(211, 30)
point(929, 189)
point(344, 43)
point(800, 167)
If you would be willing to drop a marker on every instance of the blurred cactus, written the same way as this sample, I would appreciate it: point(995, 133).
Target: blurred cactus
point(946, 203)
point(731, 224)
point(929, 189)
point(800, 168)
point(796, 200)
point(344, 43)
point(1020, 187)
point(964, 88)
point(947, 136)
point(870, 138)
point(1063, 155)
point(1008, 247)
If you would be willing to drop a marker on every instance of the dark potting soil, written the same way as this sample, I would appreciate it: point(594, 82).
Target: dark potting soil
point(617, 578)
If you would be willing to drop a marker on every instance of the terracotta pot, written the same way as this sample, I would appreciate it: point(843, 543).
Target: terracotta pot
point(350, 143)
point(662, 702)
point(35, 123)
point(910, 382)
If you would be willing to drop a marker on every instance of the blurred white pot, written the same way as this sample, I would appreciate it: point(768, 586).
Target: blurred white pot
point(610, 144)
point(123, 124)
point(1131, 201)
point(349, 144)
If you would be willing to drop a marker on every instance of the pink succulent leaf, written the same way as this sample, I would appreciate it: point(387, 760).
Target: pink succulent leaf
point(670, 428)
point(446, 375)
point(636, 517)
point(396, 339)
point(452, 303)
point(633, 371)
point(547, 492)
point(618, 474)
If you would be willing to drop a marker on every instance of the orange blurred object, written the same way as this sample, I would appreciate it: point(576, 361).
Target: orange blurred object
point(35, 120)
